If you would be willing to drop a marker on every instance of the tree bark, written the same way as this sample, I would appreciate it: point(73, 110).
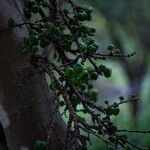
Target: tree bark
point(27, 107)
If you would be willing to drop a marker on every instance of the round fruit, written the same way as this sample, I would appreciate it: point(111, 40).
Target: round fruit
point(69, 72)
point(83, 87)
point(121, 98)
point(102, 68)
point(84, 75)
point(89, 40)
point(82, 47)
point(81, 16)
point(94, 75)
point(111, 47)
point(78, 68)
point(76, 81)
point(116, 111)
point(94, 94)
point(107, 72)
point(93, 48)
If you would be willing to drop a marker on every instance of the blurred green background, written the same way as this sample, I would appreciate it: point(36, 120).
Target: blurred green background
point(126, 24)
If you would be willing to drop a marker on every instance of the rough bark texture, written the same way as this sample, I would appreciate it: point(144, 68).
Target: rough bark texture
point(27, 107)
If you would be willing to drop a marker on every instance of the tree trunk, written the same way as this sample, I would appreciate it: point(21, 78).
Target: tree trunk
point(27, 107)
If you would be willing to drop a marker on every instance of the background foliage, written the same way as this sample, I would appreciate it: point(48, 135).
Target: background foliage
point(129, 21)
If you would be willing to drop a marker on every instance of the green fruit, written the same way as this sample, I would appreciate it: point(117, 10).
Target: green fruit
point(111, 47)
point(109, 111)
point(89, 10)
point(81, 16)
point(84, 75)
point(67, 41)
point(94, 94)
point(89, 40)
point(93, 48)
point(82, 47)
point(82, 28)
point(117, 52)
point(107, 72)
point(102, 68)
point(116, 111)
point(94, 75)
point(121, 98)
point(90, 69)
point(40, 145)
point(78, 68)
point(69, 72)
point(76, 81)
point(95, 45)
point(83, 87)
